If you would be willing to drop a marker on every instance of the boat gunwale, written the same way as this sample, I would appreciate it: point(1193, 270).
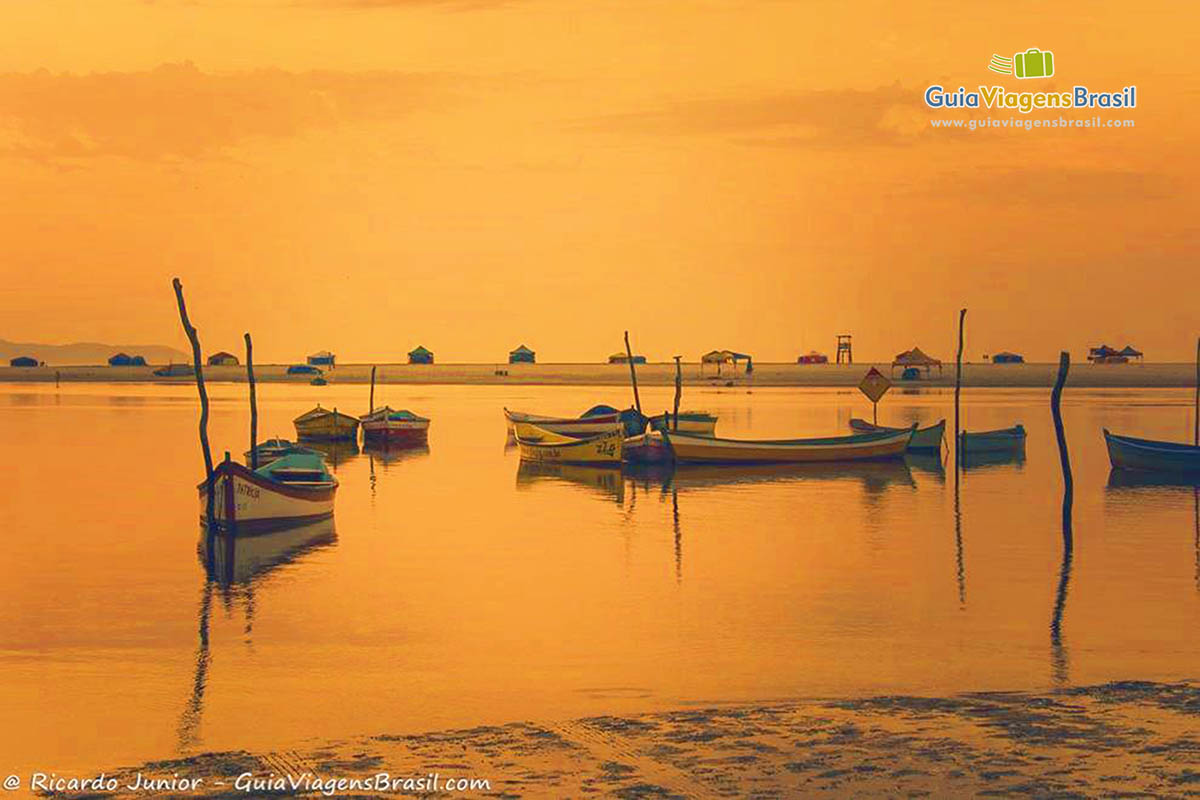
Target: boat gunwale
point(1152, 445)
point(853, 439)
point(325, 491)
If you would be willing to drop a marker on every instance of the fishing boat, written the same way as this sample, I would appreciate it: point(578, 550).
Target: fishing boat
point(292, 490)
point(690, 448)
point(539, 444)
point(274, 449)
point(321, 423)
point(597, 418)
point(1126, 452)
point(998, 441)
point(395, 427)
point(923, 439)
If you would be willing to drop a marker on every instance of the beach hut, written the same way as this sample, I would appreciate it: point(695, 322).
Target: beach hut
point(126, 360)
point(420, 355)
point(223, 359)
point(522, 355)
point(916, 359)
point(1130, 352)
point(23, 361)
point(720, 357)
point(322, 359)
point(813, 357)
point(623, 358)
point(1008, 358)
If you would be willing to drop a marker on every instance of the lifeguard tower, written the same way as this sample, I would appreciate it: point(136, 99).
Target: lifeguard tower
point(843, 349)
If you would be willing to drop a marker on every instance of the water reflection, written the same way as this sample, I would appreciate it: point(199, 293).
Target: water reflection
point(927, 464)
point(391, 454)
point(976, 461)
point(603, 481)
point(336, 452)
point(1159, 488)
point(876, 477)
point(236, 565)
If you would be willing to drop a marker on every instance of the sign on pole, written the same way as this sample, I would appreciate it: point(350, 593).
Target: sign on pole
point(874, 385)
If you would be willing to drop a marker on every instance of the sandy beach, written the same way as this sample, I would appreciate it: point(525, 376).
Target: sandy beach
point(1118, 739)
point(1154, 375)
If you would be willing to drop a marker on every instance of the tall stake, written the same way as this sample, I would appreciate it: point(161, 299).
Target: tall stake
point(194, 339)
point(678, 388)
point(253, 404)
point(1058, 652)
point(1196, 415)
point(637, 401)
point(962, 315)
point(372, 408)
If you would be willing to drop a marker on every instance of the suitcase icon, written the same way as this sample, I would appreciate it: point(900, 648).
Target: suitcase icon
point(1034, 63)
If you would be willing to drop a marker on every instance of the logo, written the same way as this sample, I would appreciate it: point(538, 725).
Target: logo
point(1033, 63)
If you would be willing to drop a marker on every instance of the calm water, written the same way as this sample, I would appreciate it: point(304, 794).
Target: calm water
point(456, 588)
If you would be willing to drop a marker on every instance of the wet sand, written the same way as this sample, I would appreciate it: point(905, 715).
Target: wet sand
point(1119, 739)
point(830, 375)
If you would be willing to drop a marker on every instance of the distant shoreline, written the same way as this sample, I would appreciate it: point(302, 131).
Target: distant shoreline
point(1154, 375)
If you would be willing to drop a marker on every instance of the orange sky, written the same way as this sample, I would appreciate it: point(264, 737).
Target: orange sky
point(367, 175)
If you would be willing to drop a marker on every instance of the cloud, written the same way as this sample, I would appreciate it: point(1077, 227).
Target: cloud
point(179, 111)
point(885, 115)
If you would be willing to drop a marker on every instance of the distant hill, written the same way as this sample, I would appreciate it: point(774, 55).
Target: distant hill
point(88, 352)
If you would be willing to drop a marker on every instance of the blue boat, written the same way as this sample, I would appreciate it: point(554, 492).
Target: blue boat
point(1126, 452)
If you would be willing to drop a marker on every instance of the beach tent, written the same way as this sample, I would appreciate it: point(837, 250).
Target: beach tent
point(323, 358)
point(623, 358)
point(916, 358)
point(720, 357)
point(1107, 355)
point(223, 359)
point(1130, 352)
point(420, 355)
point(23, 361)
point(813, 357)
point(1008, 358)
point(522, 355)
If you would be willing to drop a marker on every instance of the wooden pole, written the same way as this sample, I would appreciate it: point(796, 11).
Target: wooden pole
point(1064, 457)
point(372, 402)
point(637, 401)
point(962, 315)
point(253, 404)
point(678, 388)
point(195, 340)
point(1196, 415)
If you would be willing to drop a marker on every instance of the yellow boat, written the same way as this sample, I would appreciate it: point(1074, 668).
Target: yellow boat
point(539, 444)
point(321, 423)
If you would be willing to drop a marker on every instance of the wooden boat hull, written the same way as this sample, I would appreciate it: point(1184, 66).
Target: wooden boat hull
point(691, 449)
point(568, 426)
point(697, 422)
point(539, 445)
point(1149, 455)
point(408, 433)
point(646, 448)
point(326, 425)
point(260, 504)
point(924, 440)
point(1007, 440)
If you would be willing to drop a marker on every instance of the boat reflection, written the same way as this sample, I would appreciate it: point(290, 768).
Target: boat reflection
point(1128, 489)
point(231, 560)
point(976, 461)
point(928, 464)
point(1119, 479)
point(875, 476)
point(236, 565)
point(604, 481)
point(335, 452)
point(392, 454)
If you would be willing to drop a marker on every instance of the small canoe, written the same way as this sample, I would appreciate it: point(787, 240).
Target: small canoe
point(1126, 452)
point(999, 441)
point(689, 448)
point(395, 427)
point(923, 440)
point(274, 449)
point(292, 490)
point(324, 424)
point(539, 444)
point(699, 422)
